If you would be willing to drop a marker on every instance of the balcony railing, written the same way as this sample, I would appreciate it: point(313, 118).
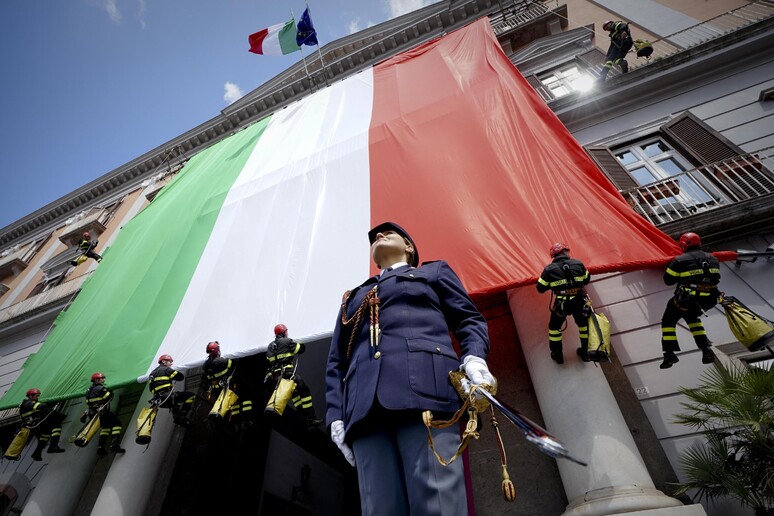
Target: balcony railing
point(68, 289)
point(710, 187)
point(713, 28)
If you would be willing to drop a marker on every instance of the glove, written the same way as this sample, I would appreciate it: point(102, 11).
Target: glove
point(337, 435)
point(476, 370)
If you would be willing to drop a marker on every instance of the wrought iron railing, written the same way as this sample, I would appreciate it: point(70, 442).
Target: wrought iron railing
point(710, 187)
point(700, 33)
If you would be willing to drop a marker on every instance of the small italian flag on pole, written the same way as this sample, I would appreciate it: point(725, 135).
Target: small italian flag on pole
point(276, 40)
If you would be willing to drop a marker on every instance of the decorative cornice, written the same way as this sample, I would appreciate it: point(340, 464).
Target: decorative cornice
point(342, 57)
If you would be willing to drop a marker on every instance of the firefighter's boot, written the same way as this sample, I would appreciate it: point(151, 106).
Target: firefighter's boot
point(707, 355)
point(624, 66)
point(36, 455)
point(115, 446)
point(670, 359)
point(53, 446)
point(101, 447)
point(557, 355)
point(603, 74)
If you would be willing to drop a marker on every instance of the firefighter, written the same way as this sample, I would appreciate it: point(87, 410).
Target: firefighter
point(283, 360)
point(565, 277)
point(219, 373)
point(98, 399)
point(43, 421)
point(620, 44)
point(696, 275)
point(179, 402)
point(87, 246)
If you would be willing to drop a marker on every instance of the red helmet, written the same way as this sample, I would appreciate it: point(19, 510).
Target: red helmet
point(97, 376)
point(213, 348)
point(165, 357)
point(558, 248)
point(86, 234)
point(689, 240)
point(33, 391)
point(280, 329)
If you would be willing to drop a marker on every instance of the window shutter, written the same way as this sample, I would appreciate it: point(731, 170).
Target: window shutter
point(612, 168)
point(699, 141)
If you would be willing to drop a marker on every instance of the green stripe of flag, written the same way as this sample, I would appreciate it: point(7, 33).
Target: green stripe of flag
point(117, 322)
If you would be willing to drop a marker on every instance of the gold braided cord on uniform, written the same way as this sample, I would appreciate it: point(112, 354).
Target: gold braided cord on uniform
point(371, 303)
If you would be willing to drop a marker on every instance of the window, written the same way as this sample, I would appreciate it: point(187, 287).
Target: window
point(654, 161)
point(565, 80)
point(683, 167)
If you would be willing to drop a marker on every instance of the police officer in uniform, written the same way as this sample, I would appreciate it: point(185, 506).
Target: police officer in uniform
point(696, 275)
point(390, 356)
point(565, 277)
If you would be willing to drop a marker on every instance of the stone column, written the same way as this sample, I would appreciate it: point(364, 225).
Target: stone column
point(579, 409)
point(66, 475)
point(133, 476)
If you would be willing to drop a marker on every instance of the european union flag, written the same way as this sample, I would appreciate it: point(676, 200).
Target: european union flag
point(306, 35)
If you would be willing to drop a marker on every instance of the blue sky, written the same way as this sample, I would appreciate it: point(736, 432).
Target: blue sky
point(89, 85)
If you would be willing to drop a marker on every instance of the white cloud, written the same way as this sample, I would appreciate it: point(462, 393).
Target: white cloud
point(111, 6)
point(400, 7)
point(233, 92)
point(142, 8)
point(355, 25)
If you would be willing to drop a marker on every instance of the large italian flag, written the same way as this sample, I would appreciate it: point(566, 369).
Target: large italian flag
point(270, 225)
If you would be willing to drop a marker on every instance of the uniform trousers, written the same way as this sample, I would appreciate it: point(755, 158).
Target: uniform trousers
point(399, 475)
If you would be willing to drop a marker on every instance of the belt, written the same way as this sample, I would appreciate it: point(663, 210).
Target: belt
point(568, 292)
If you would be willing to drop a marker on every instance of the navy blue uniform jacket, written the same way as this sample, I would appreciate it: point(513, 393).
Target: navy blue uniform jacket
point(419, 307)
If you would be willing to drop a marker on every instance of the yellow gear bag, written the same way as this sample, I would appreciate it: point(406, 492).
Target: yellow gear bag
point(749, 328)
point(223, 404)
point(281, 395)
point(145, 422)
point(599, 337)
point(643, 48)
point(17, 445)
point(87, 432)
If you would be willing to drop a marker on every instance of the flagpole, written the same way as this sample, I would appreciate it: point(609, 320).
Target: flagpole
point(322, 62)
point(301, 48)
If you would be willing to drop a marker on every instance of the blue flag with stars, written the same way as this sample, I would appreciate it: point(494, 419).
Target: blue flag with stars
point(306, 35)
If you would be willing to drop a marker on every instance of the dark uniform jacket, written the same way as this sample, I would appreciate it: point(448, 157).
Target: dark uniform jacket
point(161, 380)
point(87, 245)
point(281, 352)
point(96, 396)
point(620, 33)
point(32, 411)
point(409, 369)
point(695, 271)
point(218, 370)
point(564, 275)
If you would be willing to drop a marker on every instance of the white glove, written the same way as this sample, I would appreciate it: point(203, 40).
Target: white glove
point(337, 434)
point(477, 371)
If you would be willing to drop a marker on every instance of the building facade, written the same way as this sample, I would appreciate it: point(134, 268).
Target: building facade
point(686, 137)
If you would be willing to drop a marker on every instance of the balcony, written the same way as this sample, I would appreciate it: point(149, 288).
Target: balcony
point(715, 28)
point(23, 309)
point(743, 183)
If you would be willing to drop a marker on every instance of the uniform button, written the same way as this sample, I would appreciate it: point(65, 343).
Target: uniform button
point(377, 355)
point(411, 275)
point(438, 350)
